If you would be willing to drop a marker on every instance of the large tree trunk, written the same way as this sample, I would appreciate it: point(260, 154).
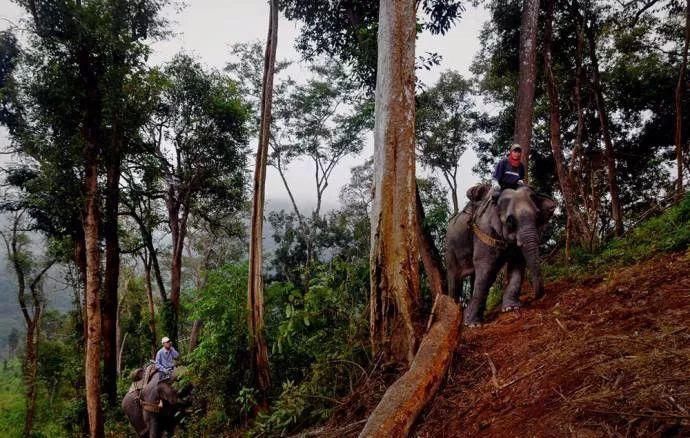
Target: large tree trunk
point(394, 266)
point(255, 287)
point(92, 217)
point(112, 273)
point(92, 366)
point(564, 179)
point(406, 398)
point(524, 107)
point(616, 211)
point(680, 88)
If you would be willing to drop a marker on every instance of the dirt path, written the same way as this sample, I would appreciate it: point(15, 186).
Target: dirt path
point(604, 357)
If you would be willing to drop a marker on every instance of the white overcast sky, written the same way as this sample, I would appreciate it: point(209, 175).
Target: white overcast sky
point(207, 28)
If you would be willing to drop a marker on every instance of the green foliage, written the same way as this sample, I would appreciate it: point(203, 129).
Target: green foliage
point(318, 338)
point(347, 31)
point(218, 365)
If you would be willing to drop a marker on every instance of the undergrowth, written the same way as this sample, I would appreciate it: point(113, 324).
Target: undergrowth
point(667, 232)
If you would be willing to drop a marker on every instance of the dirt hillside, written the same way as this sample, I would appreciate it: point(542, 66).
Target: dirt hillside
point(604, 356)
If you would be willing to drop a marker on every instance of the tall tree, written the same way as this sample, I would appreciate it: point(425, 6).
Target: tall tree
point(29, 273)
point(604, 123)
point(199, 132)
point(394, 267)
point(447, 121)
point(564, 177)
point(255, 289)
point(678, 101)
point(82, 55)
point(524, 108)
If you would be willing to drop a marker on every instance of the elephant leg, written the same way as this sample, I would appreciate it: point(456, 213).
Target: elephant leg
point(466, 288)
point(155, 429)
point(483, 280)
point(511, 294)
point(452, 292)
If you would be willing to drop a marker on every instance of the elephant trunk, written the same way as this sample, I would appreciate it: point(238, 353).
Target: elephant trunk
point(529, 239)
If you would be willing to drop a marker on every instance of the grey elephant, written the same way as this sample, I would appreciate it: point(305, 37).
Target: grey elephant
point(151, 403)
point(486, 236)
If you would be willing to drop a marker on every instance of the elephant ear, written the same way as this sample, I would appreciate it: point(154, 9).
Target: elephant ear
point(137, 375)
point(478, 192)
point(547, 207)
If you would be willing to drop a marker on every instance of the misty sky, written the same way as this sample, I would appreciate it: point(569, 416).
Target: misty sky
point(207, 28)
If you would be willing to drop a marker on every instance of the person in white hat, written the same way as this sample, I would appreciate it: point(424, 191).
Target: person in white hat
point(165, 358)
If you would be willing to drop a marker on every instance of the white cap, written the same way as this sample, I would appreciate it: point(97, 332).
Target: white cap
point(165, 339)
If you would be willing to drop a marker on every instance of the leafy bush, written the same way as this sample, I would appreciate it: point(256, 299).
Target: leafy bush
point(218, 365)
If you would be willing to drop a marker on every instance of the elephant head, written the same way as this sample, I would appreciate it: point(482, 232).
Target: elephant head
point(522, 214)
point(160, 402)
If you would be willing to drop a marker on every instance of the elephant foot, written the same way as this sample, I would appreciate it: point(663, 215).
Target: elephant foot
point(473, 323)
point(511, 307)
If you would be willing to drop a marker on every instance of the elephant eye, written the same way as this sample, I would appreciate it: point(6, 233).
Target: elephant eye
point(511, 222)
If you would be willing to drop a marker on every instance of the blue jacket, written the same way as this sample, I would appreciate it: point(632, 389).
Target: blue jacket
point(507, 175)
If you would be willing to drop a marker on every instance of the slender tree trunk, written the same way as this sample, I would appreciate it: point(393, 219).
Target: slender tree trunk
point(453, 186)
point(394, 265)
point(31, 371)
point(152, 310)
point(616, 211)
point(524, 108)
point(194, 336)
point(109, 303)
point(574, 217)
point(255, 289)
point(680, 88)
point(121, 350)
point(177, 215)
point(93, 306)
point(431, 258)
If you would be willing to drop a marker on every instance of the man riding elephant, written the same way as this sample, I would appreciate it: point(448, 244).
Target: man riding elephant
point(489, 235)
point(509, 172)
point(165, 358)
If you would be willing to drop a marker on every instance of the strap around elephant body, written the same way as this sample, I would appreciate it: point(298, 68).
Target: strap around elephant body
point(485, 238)
point(151, 407)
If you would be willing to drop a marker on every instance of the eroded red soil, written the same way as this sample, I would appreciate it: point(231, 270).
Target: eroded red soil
point(600, 357)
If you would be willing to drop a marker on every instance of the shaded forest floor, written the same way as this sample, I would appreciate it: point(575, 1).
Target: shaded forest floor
point(604, 355)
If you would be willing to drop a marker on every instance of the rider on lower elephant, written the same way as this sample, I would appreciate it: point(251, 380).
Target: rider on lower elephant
point(509, 172)
point(165, 358)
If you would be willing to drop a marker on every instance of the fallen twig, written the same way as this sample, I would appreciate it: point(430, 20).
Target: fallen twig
point(494, 379)
point(640, 415)
point(517, 379)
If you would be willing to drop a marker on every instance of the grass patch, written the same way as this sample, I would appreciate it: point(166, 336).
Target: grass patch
point(13, 408)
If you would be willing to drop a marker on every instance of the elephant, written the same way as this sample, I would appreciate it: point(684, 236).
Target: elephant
point(487, 235)
point(151, 403)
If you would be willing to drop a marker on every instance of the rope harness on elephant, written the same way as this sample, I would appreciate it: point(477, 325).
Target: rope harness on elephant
point(488, 240)
point(481, 235)
point(154, 407)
